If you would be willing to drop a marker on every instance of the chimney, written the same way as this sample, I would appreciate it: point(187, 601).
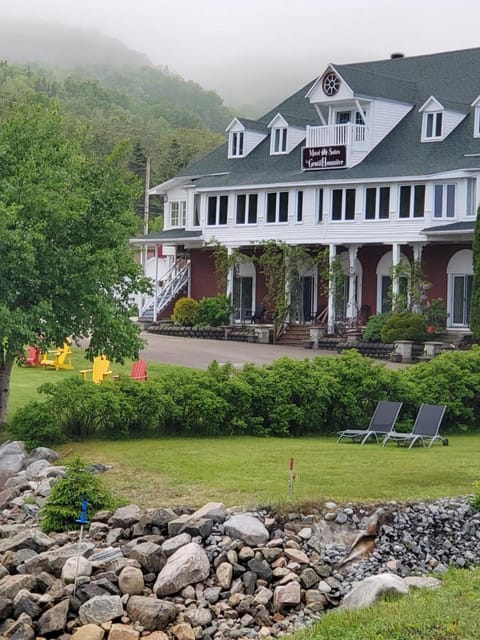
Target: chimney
point(397, 54)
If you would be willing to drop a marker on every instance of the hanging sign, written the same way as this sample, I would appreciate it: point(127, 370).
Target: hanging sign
point(331, 157)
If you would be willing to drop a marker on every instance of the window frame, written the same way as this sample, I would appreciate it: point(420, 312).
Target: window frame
point(436, 127)
point(250, 209)
point(279, 137)
point(278, 210)
point(299, 197)
point(180, 214)
point(378, 209)
point(237, 144)
point(412, 202)
point(445, 187)
point(344, 204)
point(220, 199)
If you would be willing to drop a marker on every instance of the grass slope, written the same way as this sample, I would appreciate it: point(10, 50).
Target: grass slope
point(252, 471)
point(451, 613)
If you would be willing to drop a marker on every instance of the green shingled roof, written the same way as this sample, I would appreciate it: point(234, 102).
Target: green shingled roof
point(453, 78)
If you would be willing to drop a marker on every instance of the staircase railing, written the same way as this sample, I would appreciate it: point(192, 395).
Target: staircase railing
point(175, 280)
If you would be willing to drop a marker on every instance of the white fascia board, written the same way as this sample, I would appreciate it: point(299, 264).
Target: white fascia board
point(235, 123)
point(476, 102)
point(277, 121)
point(461, 173)
point(318, 81)
point(163, 187)
point(431, 102)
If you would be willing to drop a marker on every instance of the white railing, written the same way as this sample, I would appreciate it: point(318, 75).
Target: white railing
point(336, 134)
point(175, 280)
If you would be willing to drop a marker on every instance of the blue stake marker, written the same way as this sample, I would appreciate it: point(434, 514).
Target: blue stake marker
point(81, 521)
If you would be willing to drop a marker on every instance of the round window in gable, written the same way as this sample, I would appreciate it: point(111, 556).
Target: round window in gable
point(331, 84)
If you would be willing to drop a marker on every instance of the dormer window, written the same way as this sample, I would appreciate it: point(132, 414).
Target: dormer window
point(433, 121)
point(279, 140)
point(236, 144)
point(433, 125)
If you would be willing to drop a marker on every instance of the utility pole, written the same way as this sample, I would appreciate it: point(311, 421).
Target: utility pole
point(146, 211)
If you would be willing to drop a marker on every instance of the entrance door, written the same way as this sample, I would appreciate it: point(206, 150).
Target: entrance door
point(306, 298)
point(461, 299)
point(242, 298)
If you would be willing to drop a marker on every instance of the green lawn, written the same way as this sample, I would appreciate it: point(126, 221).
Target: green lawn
point(251, 471)
point(451, 613)
point(26, 380)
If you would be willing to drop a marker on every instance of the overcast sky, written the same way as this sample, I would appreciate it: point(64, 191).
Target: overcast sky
point(247, 48)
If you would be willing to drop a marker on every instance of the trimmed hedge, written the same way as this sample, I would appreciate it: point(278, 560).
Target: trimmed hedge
point(286, 398)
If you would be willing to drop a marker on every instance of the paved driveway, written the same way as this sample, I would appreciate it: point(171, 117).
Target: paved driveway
point(198, 353)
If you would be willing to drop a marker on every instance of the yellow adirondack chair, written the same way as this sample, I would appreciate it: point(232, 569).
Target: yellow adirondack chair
point(100, 372)
point(61, 360)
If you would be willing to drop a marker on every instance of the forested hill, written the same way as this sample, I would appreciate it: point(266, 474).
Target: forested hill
point(164, 117)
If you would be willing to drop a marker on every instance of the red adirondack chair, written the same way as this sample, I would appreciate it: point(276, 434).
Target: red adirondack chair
point(139, 370)
point(33, 357)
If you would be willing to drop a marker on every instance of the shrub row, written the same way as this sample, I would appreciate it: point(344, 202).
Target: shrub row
point(286, 398)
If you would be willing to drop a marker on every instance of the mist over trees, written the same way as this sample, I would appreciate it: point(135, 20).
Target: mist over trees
point(163, 116)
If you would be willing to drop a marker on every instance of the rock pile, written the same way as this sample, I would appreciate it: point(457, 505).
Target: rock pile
point(211, 573)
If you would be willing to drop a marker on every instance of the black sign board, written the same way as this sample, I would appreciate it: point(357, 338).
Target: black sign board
point(331, 157)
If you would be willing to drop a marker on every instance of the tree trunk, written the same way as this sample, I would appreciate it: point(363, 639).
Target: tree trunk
point(5, 372)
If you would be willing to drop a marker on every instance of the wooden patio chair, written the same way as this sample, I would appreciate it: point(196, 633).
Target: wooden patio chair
point(61, 360)
point(139, 370)
point(100, 371)
point(33, 357)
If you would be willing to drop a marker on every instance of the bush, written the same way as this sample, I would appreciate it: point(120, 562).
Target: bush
point(38, 424)
point(374, 327)
point(404, 326)
point(435, 313)
point(64, 503)
point(476, 495)
point(185, 312)
point(215, 311)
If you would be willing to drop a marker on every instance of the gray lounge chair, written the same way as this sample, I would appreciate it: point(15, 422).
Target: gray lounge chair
point(425, 429)
point(382, 422)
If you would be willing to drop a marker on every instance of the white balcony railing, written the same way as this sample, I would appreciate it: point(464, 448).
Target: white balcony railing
point(349, 134)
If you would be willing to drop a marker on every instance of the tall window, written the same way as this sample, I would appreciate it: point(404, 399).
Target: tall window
point(444, 201)
point(217, 210)
point(196, 210)
point(471, 196)
point(236, 143)
point(277, 207)
point(319, 205)
point(343, 204)
point(178, 213)
point(412, 201)
point(432, 123)
point(377, 203)
point(279, 140)
point(246, 208)
point(299, 206)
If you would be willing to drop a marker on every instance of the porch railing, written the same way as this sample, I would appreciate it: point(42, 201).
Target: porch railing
point(336, 134)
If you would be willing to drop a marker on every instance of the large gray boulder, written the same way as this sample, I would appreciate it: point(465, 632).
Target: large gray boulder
point(12, 456)
point(149, 613)
point(188, 565)
point(54, 619)
point(248, 529)
point(368, 591)
point(100, 609)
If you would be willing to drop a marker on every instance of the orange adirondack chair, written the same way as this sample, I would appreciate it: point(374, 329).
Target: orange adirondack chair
point(100, 372)
point(139, 370)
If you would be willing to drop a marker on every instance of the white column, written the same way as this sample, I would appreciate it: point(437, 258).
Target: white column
point(395, 279)
point(230, 277)
point(155, 299)
point(417, 263)
point(230, 273)
point(352, 310)
point(332, 252)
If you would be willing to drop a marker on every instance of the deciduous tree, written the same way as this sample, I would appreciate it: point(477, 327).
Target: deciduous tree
point(66, 267)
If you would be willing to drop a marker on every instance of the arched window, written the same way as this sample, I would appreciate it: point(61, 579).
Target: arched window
point(460, 280)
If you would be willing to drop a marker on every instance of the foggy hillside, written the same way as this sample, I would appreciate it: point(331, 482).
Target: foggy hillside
point(57, 45)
